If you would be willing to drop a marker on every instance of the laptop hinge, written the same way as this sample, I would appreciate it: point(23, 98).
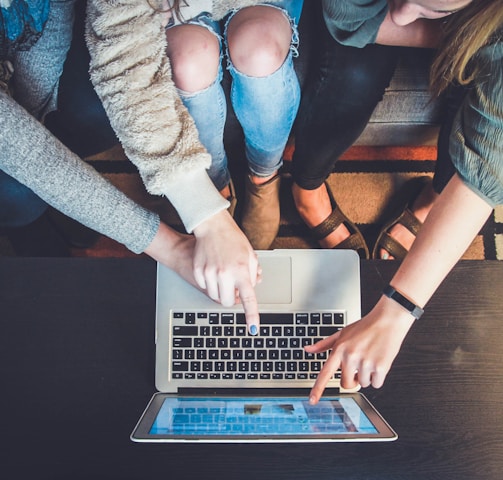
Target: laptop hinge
point(247, 392)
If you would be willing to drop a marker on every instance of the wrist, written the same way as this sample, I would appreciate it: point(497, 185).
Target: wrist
point(163, 245)
point(213, 223)
point(403, 301)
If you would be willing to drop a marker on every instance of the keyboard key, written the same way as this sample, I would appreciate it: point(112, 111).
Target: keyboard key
point(179, 330)
point(180, 366)
point(227, 319)
point(182, 342)
point(276, 318)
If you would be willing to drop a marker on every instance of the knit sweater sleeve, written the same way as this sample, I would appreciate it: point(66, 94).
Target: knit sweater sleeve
point(132, 76)
point(31, 155)
point(354, 22)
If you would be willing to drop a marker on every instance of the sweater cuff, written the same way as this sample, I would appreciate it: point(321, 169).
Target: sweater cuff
point(195, 198)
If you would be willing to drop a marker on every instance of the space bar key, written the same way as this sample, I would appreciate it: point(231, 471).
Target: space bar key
point(276, 319)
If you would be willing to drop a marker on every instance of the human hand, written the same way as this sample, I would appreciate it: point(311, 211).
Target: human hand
point(174, 250)
point(226, 266)
point(364, 351)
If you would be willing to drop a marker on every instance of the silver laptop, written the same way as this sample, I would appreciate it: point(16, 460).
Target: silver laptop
point(217, 383)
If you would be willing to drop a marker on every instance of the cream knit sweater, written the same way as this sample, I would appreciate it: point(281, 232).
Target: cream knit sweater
point(132, 76)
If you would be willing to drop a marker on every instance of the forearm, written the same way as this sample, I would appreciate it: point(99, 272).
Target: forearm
point(454, 221)
point(422, 33)
point(31, 155)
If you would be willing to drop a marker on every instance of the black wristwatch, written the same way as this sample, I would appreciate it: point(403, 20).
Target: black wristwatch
point(411, 307)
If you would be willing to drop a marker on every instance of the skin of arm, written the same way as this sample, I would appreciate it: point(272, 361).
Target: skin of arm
point(365, 350)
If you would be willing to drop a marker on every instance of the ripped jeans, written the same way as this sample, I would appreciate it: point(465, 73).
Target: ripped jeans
point(265, 107)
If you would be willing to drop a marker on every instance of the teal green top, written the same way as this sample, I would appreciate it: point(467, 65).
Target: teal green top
point(354, 22)
point(476, 141)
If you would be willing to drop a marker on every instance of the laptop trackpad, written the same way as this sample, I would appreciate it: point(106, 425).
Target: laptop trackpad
point(276, 285)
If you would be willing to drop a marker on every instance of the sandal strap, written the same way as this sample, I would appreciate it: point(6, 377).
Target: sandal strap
point(392, 246)
point(353, 242)
point(410, 221)
point(328, 225)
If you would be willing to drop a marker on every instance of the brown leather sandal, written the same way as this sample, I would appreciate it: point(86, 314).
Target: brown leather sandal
point(355, 241)
point(404, 217)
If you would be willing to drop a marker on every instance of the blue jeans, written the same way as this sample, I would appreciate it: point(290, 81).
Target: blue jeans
point(265, 107)
point(19, 206)
point(36, 79)
point(80, 121)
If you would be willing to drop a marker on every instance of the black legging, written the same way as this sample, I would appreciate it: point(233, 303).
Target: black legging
point(337, 103)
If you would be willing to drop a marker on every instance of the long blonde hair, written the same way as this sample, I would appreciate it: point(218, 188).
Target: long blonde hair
point(466, 32)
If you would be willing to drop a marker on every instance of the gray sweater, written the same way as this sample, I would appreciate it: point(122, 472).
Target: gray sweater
point(132, 76)
point(31, 155)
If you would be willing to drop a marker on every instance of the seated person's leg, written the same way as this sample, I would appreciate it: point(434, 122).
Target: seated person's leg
point(23, 220)
point(194, 53)
point(38, 69)
point(335, 108)
point(421, 201)
point(80, 121)
point(20, 206)
point(35, 85)
point(265, 94)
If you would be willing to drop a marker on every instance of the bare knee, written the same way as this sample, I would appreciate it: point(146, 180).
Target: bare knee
point(259, 40)
point(194, 53)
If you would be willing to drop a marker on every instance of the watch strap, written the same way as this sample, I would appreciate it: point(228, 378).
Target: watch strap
point(411, 307)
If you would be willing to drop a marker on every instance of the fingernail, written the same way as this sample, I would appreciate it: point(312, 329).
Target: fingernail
point(385, 256)
point(253, 330)
point(312, 400)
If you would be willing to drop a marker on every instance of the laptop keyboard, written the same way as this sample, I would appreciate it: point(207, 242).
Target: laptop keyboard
point(216, 346)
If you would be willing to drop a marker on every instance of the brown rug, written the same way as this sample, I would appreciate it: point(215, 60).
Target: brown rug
point(365, 183)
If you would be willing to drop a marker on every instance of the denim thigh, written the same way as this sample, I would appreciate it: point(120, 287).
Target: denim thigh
point(266, 106)
point(19, 206)
point(80, 121)
point(208, 108)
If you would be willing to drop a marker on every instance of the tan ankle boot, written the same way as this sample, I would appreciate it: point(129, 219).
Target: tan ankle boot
point(232, 199)
point(261, 213)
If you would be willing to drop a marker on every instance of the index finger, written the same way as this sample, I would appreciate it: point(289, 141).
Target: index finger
point(250, 306)
point(329, 368)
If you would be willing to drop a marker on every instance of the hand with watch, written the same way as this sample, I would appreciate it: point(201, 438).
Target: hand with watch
point(365, 350)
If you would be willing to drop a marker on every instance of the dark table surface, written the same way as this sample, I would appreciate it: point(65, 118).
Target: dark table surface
point(77, 370)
